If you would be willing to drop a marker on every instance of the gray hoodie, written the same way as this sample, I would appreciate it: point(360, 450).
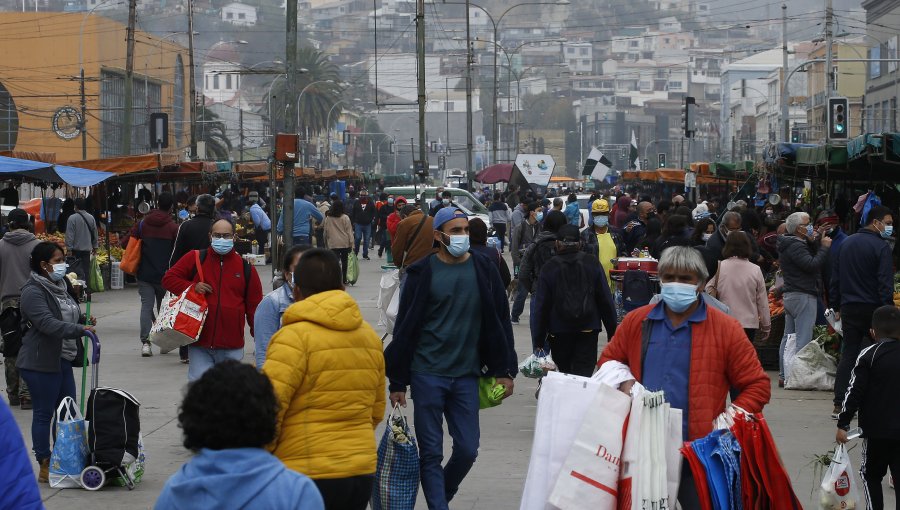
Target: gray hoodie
point(801, 264)
point(15, 256)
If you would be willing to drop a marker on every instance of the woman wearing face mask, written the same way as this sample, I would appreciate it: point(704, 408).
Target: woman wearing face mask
point(272, 307)
point(50, 346)
point(702, 232)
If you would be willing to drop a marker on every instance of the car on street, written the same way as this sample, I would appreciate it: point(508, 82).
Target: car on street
point(462, 198)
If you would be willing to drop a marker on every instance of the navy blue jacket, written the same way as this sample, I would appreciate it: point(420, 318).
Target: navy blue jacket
point(862, 272)
point(496, 345)
point(20, 490)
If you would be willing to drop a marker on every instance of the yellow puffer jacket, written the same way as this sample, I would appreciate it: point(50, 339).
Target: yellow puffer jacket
point(327, 368)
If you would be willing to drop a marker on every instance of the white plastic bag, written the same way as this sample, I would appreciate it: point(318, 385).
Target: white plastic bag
point(835, 324)
point(537, 365)
point(790, 348)
point(389, 299)
point(590, 474)
point(810, 369)
point(839, 486)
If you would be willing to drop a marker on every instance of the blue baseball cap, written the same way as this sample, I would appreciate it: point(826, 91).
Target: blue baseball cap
point(446, 214)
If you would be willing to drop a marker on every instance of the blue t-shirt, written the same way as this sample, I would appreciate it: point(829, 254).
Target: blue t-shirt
point(448, 345)
point(667, 365)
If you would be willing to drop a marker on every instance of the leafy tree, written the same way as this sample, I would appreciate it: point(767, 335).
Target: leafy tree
point(213, 132)
point(322, 84)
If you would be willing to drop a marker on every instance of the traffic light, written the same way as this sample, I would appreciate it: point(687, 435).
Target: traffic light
point(346, 137)
point(392, 147)
point(795, 134)
point(661, 160)
point(689, 116)
point(838, 116)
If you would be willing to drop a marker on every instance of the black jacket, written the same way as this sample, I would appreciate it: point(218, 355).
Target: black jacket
point(496, 342)
point(862, 271)
point(495, 257)
point(537, 253)
point(363, 216)
point(874, 390)
point(193, 234)
point(157, 232)
point(801, 264)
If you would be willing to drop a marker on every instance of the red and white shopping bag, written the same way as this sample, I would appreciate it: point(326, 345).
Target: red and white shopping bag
point(590, 474)
point(181, 317)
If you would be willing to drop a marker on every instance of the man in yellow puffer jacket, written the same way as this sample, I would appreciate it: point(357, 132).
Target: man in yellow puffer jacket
point(327, 369)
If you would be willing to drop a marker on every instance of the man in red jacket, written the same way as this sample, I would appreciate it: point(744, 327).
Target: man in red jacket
point(692, 351)
point(233, 291)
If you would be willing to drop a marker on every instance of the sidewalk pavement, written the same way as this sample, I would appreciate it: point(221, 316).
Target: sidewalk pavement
point(799, 421)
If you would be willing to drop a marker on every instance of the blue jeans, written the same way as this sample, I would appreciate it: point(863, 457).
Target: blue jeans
point(151, 297)
point(456, 398)
point(203, 358)
point(799, 318)
point(362, 233)
point(519, 302)
point(301, 241)
point(47, 391)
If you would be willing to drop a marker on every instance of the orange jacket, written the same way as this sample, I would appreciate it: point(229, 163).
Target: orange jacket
point(721, 358)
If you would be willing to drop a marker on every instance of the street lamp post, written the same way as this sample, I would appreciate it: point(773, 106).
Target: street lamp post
point(300, 96)
point(328, 128)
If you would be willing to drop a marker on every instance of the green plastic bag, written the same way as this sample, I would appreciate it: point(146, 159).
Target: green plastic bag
point(95, 277)
point(352, 268)
point(490, 394)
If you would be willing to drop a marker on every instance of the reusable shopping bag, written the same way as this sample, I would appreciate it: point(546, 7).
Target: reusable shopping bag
point(590, 473)
point(181, 318)
point(839, 486)
point(389, 299)
point(352, 268)
point(490, 394)
point(70, 448)
point(95, 277)
point(131, 259)
point(764, 479)
point(562, 404)
point(811, 369)
point(397, 471)
point(135, 469)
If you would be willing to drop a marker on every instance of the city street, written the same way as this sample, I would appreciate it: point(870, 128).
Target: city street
point(799, 421)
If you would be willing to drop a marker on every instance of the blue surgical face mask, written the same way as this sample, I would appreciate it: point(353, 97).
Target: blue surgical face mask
point(539, 216)
point(459, 245)
point(810, 231)
point(601, 221)
point(888, 231)
point(445, 201)
point(59, 272)
point(678, 296)
point(222, 246)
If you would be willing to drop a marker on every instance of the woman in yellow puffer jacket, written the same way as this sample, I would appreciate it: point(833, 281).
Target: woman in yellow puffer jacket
point(327, 368)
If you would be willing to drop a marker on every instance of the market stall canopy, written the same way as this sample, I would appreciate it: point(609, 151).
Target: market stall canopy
point(38, 171)
point(493, 174)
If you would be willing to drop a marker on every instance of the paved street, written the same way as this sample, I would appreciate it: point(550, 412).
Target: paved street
point(799, 420)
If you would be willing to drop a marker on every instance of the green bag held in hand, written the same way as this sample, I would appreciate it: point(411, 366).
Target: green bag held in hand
point(95, 277)
point(352, 268)
point(490, 394)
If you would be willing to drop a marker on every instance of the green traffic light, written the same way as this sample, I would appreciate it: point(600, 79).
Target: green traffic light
point(839, 128)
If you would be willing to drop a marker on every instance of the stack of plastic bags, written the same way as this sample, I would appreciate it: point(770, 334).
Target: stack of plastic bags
point(537, 365)
point(598, 448)
point(737, 466)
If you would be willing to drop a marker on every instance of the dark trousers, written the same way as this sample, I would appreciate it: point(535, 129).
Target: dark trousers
point(856, 320)
point(342, 255)
point(351, 493)
point(575, 352)
point(47, 391)
point(751, 334)
point(519, 301)
point(878, 455)
point(262, 238)
point(500, 228)
point(82, 265)
point(455, 398)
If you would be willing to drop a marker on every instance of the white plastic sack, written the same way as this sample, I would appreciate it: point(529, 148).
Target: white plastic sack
point(790, 348)
point(389, 299)
point(562, 405)
point(536, 366)
point(839, 486)
point(810, 369)
point(589, 476)
point(836, 325)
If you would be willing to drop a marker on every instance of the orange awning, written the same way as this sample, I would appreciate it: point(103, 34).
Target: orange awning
point(121, 166)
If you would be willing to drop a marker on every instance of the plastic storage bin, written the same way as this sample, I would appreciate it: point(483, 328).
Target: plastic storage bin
point(116, 277)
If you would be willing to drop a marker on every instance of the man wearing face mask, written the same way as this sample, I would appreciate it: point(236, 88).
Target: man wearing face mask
point(232, 289)
point(362, 216)
point(801, 259)
point(692, 351)
point(523, 237)
point(862, 280)
point(599, 240)
point(712, 253)
point(636, 230)
point(441, 343)
point(446, 201)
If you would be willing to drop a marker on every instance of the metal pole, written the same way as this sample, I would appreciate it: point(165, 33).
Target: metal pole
point(829, 75)
point(193, 85)
point(495, 136)
point(290, 126)
point(420, 50)
point(241, 127)
point(785, 107)
point(469, 133)
point(129, 80)
point(83, 120)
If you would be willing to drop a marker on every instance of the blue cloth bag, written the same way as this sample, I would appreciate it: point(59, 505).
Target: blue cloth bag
point(70, 448)
point(397, 472)
point(719, 452)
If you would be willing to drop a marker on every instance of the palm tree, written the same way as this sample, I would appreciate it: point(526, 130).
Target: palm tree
point(324, 90)
point(213, 132)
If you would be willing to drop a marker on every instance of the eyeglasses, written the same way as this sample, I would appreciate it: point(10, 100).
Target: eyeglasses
point(221, 236)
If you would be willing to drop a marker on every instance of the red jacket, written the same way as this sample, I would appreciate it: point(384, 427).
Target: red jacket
point(721, 359)
point(392, 221)
point(224, 326)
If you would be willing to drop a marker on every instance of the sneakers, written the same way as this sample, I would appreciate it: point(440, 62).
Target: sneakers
point(835, 412)
point(146, 351)
point(514, 320)
point(366, 258)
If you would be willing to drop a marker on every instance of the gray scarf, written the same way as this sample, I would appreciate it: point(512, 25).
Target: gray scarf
point(71, 311)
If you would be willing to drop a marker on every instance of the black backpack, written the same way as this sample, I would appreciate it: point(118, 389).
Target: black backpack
point(13, 330)
point(637, 290)
point(577, 300)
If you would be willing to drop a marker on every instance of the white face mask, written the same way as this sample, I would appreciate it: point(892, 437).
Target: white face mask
point(706, 237)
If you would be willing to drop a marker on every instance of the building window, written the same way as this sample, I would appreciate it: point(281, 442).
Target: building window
point(229, 15)
point(885, 117)
point(178, 101)
point(147, 96)
point(9, 120)
point(586, 62)
point(242, 15)
point(215, 82)
point(875, 67)
point(448, 106)
point(206, 82)
point(584, 51)
point(227, 82)
point(570, 51)
point(675, 85)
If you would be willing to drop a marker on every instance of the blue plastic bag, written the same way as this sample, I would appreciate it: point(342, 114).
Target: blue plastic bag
point(70, 448)
point(397, 472)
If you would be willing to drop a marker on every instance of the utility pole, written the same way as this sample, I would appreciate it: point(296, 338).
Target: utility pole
point(193, 85)
point(469, 134)
point(829, 75)
point(83, 118)
point(785, 98)
point(129, 80)
point(420, 51)
point(241, 127)
point(290, 53)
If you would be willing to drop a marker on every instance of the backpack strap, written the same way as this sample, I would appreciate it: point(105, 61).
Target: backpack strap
point(201, 257)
